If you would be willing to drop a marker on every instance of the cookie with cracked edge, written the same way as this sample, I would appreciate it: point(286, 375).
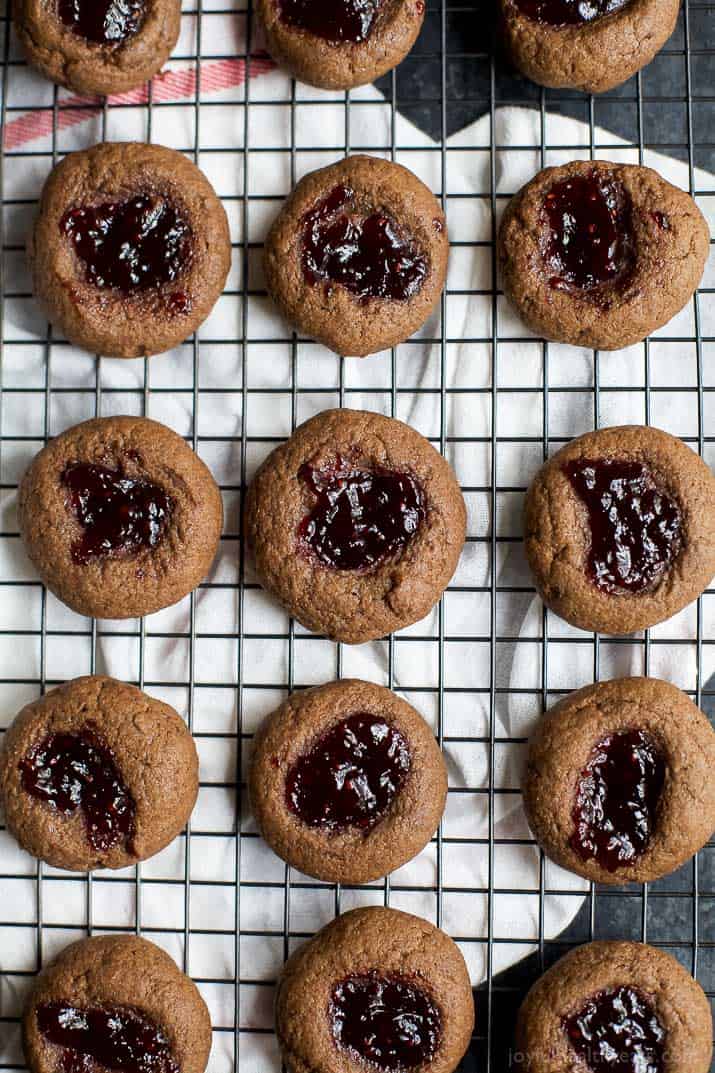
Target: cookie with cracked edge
point(355, 731)
point(162, 261)
point(355, 524)
point(594, 55)
point(97, 46)
point(373, 948)
point(664, 751)
point(666, 992)
point(559, 539)
point(600, 254)
point(125, 775)
point(340, 45)
point(122, 976)
point(119, 517)
point(357, 256)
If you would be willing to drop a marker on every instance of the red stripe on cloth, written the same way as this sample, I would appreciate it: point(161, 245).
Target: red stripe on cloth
point(171, 85)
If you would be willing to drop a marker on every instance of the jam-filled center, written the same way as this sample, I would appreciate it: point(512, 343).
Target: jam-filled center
point(617, 797)
point(115, 1037)
point(131, 245)
point(71, 771)
point(360, 517)
point(587, 238)
point(350, 21)
point(568, 12)
point(104, 22)
point(351, 776)
point(385, 1020)
point(368, 253)
point(119, 514)
point(618, 1031)
point(636, 529)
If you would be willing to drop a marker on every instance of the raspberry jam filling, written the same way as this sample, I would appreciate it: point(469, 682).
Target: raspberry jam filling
point(119, 515)
point(114, 1037)
point(104, 22)
point(385, 1020)
point(79, 771)
point(129, 245)
point(369, 255)
point(617, 800)
point(360, 517)
point(568, 12)
point(333, 20)
point(618, 1031)
point(351, 775)
point(587, 241)
point(636, 529)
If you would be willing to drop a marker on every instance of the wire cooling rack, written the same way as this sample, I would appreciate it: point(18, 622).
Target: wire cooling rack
point(225, 657)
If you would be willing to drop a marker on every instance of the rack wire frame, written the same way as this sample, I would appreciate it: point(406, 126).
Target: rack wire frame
point(695, 887)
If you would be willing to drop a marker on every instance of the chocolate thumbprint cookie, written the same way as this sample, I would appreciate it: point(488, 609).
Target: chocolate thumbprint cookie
point(618, 785)
point(96, 774)
point(356, 525)
point(120, 517)
point(592, 45)
point(357, 257)
point(130, 249)
point(115, 1002)
point(600, 255)
point(615, 1007)
point(620, 529)
point(347, 782)
point(375, 989)
point(97, 46)
point(337, 44)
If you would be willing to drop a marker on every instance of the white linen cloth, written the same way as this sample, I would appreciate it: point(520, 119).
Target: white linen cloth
point(519, 365)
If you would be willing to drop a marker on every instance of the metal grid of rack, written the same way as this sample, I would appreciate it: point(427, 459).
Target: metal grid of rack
point(220, 633)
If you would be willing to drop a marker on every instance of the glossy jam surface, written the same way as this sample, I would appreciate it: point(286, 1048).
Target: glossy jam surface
point(119, 515)
point(369, 254)
point(129, 245)
point(568, 12)
point(636, 529)
point(113, 1037)
point(387, 1021)
point(104, 22)
point(79, 771)
point(350, 21)
point(360, 517)
point(350, 776)
point(618, 1031)
point(587, 241)
point(617, 798)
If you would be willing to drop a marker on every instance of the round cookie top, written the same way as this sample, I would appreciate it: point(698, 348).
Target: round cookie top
point(120, 1002)
point(620, 529)
point(162, 259)
point(97, 46)
point(338, 44)
point(356, 524)
point(616, 995)
point(347, 782)
point(120, 517)
point(96, 774)
point(357, 256)
point(599, 254)
point(592, 45)
point(340, 994)
point(617, 786)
